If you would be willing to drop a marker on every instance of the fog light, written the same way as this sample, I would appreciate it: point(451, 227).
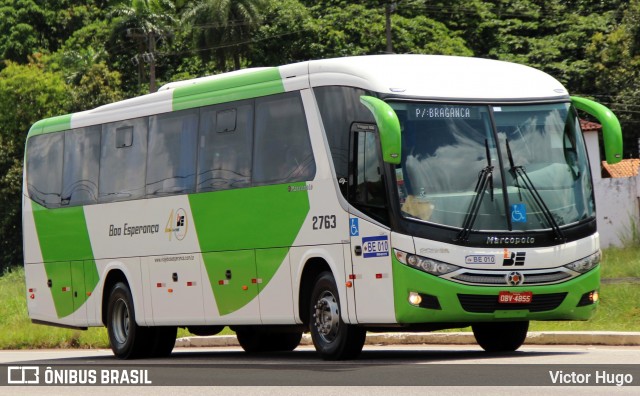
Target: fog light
point(414, 299)
point(589, 298)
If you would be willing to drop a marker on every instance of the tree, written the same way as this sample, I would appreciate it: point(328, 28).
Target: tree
point(97, 86)
point(616, 60)
point(146, 22)
point(359, 29)
point(27, 93)
point(283, 37)
point(224, 28)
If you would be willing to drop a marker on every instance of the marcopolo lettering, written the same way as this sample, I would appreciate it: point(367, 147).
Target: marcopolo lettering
point(510, 240)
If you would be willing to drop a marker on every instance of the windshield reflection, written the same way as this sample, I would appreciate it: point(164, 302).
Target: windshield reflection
point(445, 147)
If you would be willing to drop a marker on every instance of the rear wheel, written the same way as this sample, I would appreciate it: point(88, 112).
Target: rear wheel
point(332, 338)
point(256, 340)
point(163, 340)
point(127, 339)
point(500, 336)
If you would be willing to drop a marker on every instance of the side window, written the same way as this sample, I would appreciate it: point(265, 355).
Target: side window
point(44, 169)
point(339, 108)
point(171, 159)
point(225, 146)
point(81, 166)
point(366, 187)
point(123, 158)
point(282, 150)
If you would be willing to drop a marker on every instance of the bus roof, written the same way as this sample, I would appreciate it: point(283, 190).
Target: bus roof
point(421, 76)
point(439, 77)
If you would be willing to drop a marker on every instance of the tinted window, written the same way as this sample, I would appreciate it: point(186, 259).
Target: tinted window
point(367, 189)
point(339, 108)
point(171, 163)
point(282, 147)
point(81, 166)
point(122, 167)
point(44, 169)
point(224, 150)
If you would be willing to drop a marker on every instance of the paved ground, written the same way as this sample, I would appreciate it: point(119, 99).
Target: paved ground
point(455, 338)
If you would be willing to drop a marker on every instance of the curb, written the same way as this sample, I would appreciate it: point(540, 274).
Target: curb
point(611, 338)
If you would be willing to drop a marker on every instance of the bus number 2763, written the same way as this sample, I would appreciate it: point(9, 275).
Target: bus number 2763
point(324, 222)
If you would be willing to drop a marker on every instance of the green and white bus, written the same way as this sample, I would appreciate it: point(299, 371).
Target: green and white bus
point(337, 196)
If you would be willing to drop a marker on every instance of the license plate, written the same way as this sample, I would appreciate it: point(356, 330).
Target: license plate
point(506, 297)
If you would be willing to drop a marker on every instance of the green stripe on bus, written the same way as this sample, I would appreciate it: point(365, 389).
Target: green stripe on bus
point(48, 125)
point(67, 254)
point(227, 89)
point(231, 225)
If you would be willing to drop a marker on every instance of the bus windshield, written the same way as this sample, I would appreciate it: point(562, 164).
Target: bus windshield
point(506, 167)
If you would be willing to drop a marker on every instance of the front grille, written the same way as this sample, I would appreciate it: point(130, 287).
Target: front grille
point(487, 304)
point(498, 278)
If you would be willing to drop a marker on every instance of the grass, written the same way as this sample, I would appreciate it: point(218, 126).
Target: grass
point(619, 310)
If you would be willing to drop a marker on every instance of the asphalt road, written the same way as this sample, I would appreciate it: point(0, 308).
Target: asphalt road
point(405, 370)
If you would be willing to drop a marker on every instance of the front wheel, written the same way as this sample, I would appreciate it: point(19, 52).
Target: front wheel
point(500, 336)
point(332, 338)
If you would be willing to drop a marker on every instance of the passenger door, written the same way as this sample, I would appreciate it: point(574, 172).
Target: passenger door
point(370, 238)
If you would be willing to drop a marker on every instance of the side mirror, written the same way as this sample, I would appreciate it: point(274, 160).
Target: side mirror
point(611, 131)
point(388, 128)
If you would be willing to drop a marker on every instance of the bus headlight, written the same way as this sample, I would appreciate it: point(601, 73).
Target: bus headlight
point(425, 264)
point(585, 264)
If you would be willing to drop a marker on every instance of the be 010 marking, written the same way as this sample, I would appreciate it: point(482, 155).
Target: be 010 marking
point(480, 259)
point(377, 246)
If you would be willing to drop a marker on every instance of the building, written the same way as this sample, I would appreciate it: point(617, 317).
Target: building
point(616, 189)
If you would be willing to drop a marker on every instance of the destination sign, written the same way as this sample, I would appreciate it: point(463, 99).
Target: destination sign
point(443, 112)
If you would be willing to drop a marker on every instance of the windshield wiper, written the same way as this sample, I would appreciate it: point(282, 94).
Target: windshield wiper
point(485, 178)
point(518, 171)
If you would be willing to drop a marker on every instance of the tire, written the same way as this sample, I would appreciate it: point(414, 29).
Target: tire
point(251, 340)
point(284, 342)
point(332, 338)
point(500, 336)
point(164, 339)
point(127, 339)
point(256, 340)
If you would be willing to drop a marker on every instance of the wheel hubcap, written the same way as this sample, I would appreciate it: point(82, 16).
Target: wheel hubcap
point(327, 316)
point(121, 321)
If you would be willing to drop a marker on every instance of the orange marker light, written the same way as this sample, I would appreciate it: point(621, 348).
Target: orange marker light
point(349, 284)
point(245, 287)
point(170, 290)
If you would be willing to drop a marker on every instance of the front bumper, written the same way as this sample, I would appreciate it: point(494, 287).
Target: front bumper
point(450, 301)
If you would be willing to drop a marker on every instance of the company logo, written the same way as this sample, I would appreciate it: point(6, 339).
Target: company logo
point(23, 375)
point(493, 240)
point(514, 278)
point(513, 258)
point(177, 225)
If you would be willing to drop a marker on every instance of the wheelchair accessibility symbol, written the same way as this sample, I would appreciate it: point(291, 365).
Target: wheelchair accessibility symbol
point(518, 213)
point(354, 228)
